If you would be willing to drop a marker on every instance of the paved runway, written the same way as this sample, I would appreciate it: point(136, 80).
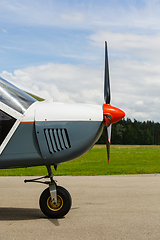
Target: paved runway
point(104, 207)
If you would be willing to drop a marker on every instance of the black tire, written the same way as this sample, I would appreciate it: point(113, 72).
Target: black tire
point(55, 211)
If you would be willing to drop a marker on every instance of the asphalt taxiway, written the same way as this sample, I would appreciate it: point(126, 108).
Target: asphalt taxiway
point(103, 207)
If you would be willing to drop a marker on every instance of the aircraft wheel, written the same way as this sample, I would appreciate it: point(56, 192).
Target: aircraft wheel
point(63, 206)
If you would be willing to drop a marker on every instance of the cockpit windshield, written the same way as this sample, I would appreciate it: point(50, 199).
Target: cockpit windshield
point(14, 97)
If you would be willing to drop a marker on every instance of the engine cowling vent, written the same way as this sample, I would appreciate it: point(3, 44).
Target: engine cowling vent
point(57, 139)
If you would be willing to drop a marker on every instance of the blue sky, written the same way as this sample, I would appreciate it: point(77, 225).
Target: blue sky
point(56, 50)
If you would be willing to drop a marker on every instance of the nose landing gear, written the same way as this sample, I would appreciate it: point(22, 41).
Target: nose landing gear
point(58, 210)
point(55, 201)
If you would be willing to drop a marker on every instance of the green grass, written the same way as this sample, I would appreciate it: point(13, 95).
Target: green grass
point(123, 160)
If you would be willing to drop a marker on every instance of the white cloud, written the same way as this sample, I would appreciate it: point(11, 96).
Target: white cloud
point(61, 82)
point(134, 89)
point(3, 30)
point(139, 89)
point(134, 71)
point(138, 46)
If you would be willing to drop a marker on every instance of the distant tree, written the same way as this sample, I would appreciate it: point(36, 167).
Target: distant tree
point(117, 133)
point(148, 140)
point(134, 132)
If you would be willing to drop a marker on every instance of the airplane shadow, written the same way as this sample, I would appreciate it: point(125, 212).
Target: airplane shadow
point(17, 214)
point(9, 213)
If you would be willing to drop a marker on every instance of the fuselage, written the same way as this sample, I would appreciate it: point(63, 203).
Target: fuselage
point(50, 133)
point(36, 133)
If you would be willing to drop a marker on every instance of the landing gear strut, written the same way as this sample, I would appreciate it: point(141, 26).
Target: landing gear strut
point(55, 201)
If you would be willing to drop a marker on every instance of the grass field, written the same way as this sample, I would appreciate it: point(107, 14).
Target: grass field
point(123, 160)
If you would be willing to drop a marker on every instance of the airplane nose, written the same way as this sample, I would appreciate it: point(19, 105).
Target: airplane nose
point(116, 114)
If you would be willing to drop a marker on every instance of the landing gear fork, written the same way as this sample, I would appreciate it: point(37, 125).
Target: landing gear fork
point(55, 201)
point(52, 186)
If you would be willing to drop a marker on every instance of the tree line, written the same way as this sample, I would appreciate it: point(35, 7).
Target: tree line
point(134, 133)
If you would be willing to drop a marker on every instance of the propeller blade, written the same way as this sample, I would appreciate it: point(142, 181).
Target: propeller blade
point(107, 144)
point(110, 114)
point(107, 94)
point(109, 133)
point(107, 124)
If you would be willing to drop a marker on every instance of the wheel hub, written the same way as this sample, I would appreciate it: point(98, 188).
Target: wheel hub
point(55, 207)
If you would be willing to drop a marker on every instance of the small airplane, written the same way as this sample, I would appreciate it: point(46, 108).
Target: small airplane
point(34, 133)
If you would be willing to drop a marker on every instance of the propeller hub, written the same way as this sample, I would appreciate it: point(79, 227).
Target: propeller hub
point(115, 114)
point(106, 120)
